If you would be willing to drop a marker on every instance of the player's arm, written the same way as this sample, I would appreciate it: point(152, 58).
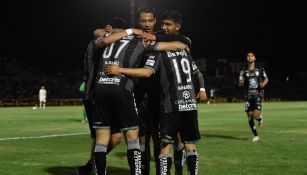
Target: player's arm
point(202, 96)
point(102, 32)
point(167, 46)
point(265, 78)
point(107, 30)
point(117, 36)
point(113, 69)
point(264, 82)
point(241, 78)
point(166, 38)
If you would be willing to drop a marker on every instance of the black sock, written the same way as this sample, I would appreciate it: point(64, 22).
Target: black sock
point(89, 164)
point(178, 158)
point(259, 119)
point(100, 153)
point(165, 164)
point(252, 126)
point(145, 160)
point(192, 162)
point(134, 156)
point(156, 155)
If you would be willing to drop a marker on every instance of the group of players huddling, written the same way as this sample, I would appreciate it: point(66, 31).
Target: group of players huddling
point(142, 83)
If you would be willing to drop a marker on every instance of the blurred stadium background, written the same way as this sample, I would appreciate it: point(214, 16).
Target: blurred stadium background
point(21, 81)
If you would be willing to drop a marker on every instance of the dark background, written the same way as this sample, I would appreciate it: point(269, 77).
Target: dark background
point(53, 34)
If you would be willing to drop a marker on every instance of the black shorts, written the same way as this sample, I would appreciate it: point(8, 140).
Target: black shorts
point(253, 104)
point(186, 123)
point(115, 108)
point(90, 112)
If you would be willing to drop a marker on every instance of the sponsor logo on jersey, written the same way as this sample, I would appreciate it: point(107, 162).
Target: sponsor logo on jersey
point(174, 54)
point(109, 80)
point(187, 107)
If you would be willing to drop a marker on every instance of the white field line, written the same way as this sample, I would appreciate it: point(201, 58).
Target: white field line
point(40, 137)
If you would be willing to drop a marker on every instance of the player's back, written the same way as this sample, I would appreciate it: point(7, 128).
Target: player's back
point(126, 52)
point(176, 72)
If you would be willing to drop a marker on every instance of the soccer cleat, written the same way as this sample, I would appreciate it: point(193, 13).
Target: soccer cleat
point(256, 138)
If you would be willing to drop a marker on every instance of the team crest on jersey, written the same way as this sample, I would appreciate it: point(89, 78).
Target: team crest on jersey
point(186, 94)
point(257, 73)
point(253, 82)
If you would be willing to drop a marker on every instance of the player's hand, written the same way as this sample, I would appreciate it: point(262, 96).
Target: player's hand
point(137, 32)
point(202, 96)
point(149, 37)
point(241, 82)
point(112, 69)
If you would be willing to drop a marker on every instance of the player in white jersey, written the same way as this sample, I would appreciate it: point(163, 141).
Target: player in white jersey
point(42, 97)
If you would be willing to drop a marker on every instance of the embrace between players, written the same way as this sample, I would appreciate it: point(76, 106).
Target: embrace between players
point(161, 103)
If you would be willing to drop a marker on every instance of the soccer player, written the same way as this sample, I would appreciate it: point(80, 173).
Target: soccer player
point(82, 91)
point(211, 96)
point(42, 97)
point(253, 79)
point(147, 94)
point(114, 99)
point(178, 99)
point(91, 62)
point(147, 99)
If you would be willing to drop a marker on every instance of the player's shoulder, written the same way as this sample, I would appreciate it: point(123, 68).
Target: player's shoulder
point(188, 40)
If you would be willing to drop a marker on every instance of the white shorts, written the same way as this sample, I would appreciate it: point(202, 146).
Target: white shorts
point(42, 100)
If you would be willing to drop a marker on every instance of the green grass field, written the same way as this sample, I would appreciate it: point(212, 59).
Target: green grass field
point(53, 141)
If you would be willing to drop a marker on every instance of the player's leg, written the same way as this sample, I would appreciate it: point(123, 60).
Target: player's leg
point(169, 130)
point(127, 117)
point(165, 158)
point(100, 151)
point(102, 123)
point(156, 141)
point(178, 155)
point(190, 136)
point(115, 139)
point(258, 117)
point(84, 116)
point(249, 112)
point(144, 136)
point(88, 167)
point(133, 151)
point(257, 112)
point(192, 158)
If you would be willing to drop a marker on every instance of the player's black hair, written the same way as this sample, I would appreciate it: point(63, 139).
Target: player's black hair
point(250, 51)
point(146, 9)
point(172, 15)
point(119, 23)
